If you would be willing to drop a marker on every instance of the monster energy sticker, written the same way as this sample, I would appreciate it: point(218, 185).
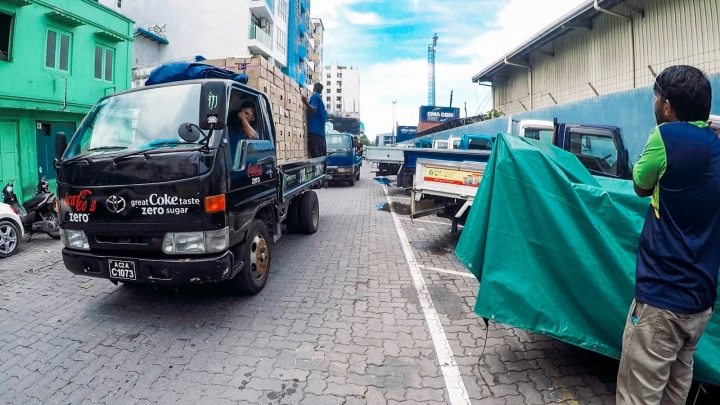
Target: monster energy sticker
point(212, 101)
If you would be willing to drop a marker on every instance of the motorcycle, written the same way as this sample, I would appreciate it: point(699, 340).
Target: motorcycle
point(38, 214)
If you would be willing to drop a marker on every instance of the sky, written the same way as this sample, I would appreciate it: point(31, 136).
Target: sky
point(387, 40)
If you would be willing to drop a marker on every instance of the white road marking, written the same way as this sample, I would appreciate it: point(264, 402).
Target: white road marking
point(451, 373)
point(453, 272)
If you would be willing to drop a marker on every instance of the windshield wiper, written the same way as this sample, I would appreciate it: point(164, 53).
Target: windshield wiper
point(338, 151)
point(171, 143)
point(99, 148)
point(148, 152)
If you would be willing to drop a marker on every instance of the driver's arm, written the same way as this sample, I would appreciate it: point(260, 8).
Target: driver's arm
point(651, 167)
point(248, 130)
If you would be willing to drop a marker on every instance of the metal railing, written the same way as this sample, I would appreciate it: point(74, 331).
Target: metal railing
point(262, 36)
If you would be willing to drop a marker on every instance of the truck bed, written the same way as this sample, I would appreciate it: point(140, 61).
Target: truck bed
point(384, 154)
point(411, 156)
point(447, 180)
point(298, 176)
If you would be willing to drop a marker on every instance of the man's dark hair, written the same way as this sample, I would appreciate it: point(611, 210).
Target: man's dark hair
point(688, 90)
point(247, 104)
point(318, 88)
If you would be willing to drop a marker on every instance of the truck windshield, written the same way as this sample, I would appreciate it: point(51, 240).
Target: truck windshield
point(136, 121)
point(338, 143)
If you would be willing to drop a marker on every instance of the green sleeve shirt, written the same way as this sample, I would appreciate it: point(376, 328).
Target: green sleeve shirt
point(648, 171)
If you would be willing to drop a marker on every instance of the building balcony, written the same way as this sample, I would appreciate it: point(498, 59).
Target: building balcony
point(304, 4)
point(263, 8)
point(261, 43)
point(317, 76)
point(317, 37)
point(315, 57)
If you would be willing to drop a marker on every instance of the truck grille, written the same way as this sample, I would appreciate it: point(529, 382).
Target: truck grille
point(123, 239)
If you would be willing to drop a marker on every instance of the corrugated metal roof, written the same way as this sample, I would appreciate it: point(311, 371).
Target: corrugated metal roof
point(578, 17)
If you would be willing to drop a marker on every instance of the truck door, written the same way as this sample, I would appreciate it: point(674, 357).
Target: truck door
point(599, 149)
point(252, 162)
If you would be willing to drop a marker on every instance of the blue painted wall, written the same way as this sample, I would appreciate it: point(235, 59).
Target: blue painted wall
point(632, 111)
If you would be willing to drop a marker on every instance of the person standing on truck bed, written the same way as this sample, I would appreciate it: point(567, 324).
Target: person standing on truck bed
point(679, 253)
point(316, 116)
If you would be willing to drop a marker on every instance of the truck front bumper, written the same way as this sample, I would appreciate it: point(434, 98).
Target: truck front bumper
point(208, 269)
point(343, 173)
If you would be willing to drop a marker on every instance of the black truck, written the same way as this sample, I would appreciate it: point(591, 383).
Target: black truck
point(154, 188)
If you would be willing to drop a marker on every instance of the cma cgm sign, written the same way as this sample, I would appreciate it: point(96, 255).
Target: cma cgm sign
point(438, 114)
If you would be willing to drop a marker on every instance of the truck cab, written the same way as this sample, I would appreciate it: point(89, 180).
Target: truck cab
point(158, 187)
point(343, 160)
point(476, 142)
point(599, 148)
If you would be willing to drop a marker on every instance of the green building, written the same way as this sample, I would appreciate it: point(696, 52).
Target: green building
point(57, 58)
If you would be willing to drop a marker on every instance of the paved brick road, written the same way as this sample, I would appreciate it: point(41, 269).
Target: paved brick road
point(339, 322)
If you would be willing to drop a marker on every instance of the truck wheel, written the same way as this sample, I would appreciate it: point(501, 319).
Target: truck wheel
point(352, 181)
point(309, 213)
point(252, 278)
point(291, 220)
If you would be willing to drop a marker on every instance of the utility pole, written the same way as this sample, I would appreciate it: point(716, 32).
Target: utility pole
point(431, 71)
point(451, 94)
point(393, 124)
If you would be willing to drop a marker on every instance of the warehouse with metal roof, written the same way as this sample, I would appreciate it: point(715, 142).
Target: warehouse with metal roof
point(597, 64)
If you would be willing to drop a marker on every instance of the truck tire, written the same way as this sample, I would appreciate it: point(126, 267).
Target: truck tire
point(291, 220)
point(309, 213)
point(256, 257)
point(352, 181)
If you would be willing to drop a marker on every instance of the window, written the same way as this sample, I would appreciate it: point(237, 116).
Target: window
point(339, 98)
point(479, 144)
point(104, 62)
point(339, 75)
point(280, 41)
point(339, 106)
point(57, 50)
point(119, 3)
point(596, 152)
point(544, 135)
point(329, 83)
point(339, 83)
point(327, 91)
point(6, 29)
point(329, 76)
point(329, 99)
point(283, 10)
point(339, 91)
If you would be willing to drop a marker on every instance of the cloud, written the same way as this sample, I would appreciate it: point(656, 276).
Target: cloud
point(388, 42)
point(363, 18)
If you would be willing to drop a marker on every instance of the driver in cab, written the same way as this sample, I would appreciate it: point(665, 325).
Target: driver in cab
point(240, 124)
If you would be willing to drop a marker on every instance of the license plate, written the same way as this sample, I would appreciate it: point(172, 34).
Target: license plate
point(122, 269)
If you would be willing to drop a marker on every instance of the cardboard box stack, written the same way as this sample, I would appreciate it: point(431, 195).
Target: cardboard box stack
point(285, 96)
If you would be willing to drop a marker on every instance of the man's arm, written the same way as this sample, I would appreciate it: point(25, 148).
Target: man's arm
point(309, 106)
point(651, 166)
point(248, 130)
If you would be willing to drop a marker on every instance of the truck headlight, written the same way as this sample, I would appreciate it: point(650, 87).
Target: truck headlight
point(217, 241)
point(196, 242)
point(73, 239)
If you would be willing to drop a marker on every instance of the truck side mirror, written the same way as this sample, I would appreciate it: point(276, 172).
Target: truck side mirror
point(60, 145)
point(355, 143)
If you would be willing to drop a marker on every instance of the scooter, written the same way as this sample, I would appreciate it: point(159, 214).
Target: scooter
point(38, 214)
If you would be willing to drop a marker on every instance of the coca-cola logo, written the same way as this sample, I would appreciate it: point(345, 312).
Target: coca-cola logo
point(255, 170)
point(79, 202)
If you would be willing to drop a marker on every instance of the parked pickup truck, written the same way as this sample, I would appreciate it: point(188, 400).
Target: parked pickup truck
point(153, 189)
point(343, 161)
point(387, 158)
point(445, 183)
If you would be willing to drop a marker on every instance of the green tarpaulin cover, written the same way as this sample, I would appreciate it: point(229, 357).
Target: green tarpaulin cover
point(554, 250)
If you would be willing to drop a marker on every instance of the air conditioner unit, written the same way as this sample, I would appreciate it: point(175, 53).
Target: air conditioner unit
point(263, 23)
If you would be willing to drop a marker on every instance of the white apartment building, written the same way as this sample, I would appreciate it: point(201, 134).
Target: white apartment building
point(342, 91)
point(317, 32)
point(181, 29)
